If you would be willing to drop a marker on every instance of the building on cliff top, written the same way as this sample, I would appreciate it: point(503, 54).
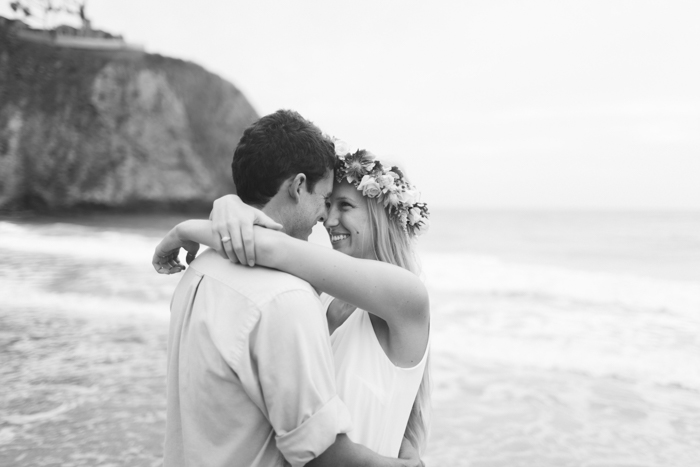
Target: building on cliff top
point(84, 37)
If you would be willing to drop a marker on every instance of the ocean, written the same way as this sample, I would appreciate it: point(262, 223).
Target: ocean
point(565, 339)
point(558, 339)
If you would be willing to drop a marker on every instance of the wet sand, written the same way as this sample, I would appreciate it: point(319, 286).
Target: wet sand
point(524, 374)
point(81, 391)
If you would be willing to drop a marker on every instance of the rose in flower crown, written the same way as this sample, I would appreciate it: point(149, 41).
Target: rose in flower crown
point(388, 186)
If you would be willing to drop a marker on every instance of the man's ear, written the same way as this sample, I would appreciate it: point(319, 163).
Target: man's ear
point(298, 183)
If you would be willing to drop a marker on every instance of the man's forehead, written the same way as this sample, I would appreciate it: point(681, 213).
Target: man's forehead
point(329, 179)
point(324, 187)
point(328, 192)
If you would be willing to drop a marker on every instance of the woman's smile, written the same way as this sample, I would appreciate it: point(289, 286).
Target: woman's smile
point(337, 237)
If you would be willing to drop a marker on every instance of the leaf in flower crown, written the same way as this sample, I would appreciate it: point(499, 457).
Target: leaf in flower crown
point(403, 215)
point(423, 226)
point(391, 198)
point(397, 171)
point(414, 215)
point(367, 156)
point(378, 168)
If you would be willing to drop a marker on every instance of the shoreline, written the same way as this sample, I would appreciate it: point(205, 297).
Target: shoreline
point(533, 365)
point(81, 391)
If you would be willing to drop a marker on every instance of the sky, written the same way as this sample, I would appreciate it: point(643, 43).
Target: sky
point(487, 104)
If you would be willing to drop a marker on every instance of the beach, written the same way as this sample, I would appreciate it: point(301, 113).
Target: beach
point(82, 345)
point(558, 339)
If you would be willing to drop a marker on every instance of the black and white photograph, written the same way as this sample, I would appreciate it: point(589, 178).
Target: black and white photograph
point(387, 233)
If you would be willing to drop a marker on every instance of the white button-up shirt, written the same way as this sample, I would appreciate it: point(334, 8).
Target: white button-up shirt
point(250, 369)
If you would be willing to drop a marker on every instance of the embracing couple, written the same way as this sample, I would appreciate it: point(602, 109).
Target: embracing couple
point(264, 371)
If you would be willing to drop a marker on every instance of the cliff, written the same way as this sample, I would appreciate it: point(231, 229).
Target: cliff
point(112, 129)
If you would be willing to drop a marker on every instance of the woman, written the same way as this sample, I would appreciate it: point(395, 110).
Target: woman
point(379, 319)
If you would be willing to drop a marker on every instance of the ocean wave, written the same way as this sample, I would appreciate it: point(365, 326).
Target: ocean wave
point(78, 242)
point(485, 310)
point(474, 274)
point(549, 318)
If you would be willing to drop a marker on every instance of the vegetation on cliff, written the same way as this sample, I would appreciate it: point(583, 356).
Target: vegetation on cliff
point(116, 129)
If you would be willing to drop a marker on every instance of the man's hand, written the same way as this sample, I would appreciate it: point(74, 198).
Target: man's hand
point(165, 259)
point(409, 453)
point(345, 453)
point(233, 221)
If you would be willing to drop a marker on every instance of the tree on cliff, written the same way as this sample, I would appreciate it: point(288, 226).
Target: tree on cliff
point(29, 8)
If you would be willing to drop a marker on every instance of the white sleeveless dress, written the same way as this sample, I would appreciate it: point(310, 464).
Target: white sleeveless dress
point(378, 394)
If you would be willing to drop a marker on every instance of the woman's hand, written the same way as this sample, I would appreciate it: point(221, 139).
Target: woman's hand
point(232, 222)
point(165, 259)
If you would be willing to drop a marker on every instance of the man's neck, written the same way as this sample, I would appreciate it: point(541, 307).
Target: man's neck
point(276, 212)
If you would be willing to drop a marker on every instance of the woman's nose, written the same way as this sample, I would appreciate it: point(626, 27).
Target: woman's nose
point(331, 218)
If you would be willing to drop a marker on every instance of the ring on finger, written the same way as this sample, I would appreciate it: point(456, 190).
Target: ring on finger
point(225, 239)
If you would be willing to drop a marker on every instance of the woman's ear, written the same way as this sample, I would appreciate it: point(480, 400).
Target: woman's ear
point(298, 184)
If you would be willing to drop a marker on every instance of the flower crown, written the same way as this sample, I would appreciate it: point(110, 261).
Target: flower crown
point(388, 186)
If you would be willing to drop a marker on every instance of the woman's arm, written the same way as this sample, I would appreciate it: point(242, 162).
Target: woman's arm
point(231, 236)
point(165, 259)
point(344, 453)
point(199, 232)
point(394, 294)
point(188, 235)
point(388, 291)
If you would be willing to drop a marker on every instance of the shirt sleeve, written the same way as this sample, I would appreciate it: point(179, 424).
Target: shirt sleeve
point(292, 351)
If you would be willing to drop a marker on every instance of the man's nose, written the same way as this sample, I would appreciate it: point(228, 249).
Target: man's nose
point(323, 215)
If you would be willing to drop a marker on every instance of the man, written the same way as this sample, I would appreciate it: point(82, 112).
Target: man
point(250, 367)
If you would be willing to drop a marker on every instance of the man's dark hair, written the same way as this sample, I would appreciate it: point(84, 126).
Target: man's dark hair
point(276, 147)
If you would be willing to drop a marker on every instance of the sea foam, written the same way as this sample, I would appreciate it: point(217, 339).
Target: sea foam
point(552, 318)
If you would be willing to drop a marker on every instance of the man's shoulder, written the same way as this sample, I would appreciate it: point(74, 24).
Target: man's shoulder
point(257, 283)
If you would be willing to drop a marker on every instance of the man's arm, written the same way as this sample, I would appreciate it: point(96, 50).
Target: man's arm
point(290, 348)
point(345, 453)
point(295, 368)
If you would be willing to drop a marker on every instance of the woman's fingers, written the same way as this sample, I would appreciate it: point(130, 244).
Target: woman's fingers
point(225, 250)
point(248, 243)
point(166, 256)
point(192, 248)
point(159, 260)
point(266, 221)
point(237, 245)
point(162, 268)
point(173, 261)
point(190, 256)
point(233, 221)
point(232, 241)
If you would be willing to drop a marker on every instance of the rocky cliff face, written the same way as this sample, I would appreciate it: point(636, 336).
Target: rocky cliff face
point(116, 129)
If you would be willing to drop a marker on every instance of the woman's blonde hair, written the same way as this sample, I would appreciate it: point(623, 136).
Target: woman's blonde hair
point(392, 245)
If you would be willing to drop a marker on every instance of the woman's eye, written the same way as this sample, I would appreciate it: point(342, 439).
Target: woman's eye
point(345, 205)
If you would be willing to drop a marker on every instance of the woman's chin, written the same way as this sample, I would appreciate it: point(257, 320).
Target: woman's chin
point(342, 247)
